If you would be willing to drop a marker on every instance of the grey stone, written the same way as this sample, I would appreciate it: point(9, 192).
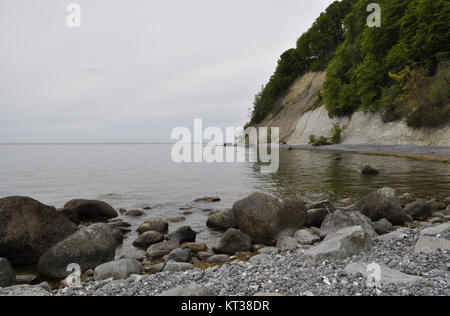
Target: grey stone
point(88, 247)
point(183, 234)
point(383, 203)
point(7, 275)
point(159, 225)
point(388, 276)
point(317, 216)
point(383, 226)
point(264, 217)
point(189, 290)
point(260, 259)
point(232, 241)
point(305, 237)
point(147, 239)
point(341, 245)
point(222, 220)
point(418, 210)
point(426, 245)
point(397, 234)
point(287, 243)
point(161, 249)
point(340, 219)
point(118, 270)
point(91, 210)
point(436, 230)
point(204, 255)
point(180, 255)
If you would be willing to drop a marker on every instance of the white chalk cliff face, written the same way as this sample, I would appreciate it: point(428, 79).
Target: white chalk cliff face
point(298, 118)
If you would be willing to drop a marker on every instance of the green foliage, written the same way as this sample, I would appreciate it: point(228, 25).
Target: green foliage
point(335, 137)
point(314, 50)
point(336, 133)
point(321, 141)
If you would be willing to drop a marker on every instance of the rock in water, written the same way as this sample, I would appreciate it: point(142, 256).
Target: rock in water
point(192, 289)
point(147, 239)
point(342, 219)
point(89, 247)
point(418, 210)
point(7, 275)
point(369, 170)
point(341, 245)
point(29, 228)
point(92, 210)
point(161, 249)
point(383, 203)
point(207, 200)
point(264, 217)
point(222, 220)
point(232, 241)
point(159, 225)
point(118, 270)
point(183, 234)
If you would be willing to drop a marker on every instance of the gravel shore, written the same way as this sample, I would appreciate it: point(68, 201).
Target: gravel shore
point(290, 274)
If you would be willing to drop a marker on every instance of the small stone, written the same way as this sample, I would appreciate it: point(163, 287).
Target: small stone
point(180, 255)
point(287, 244)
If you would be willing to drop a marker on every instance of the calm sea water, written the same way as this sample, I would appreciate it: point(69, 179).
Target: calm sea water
point(132, 176)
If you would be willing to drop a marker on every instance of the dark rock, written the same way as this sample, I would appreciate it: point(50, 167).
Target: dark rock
point(161, 249)
point(7, 275)
point(383, 226)
point(418, 210)
point(183, 234)
point(71, 214)
point(383, 203)
point(147, 239)
point(92, 210)
point(118, 237)
point(134, 213)
point(436, 205)
point(342, 219)
point(119, 224)
point(159, 225)
point(232, 241)
point(368, 170)
point(88, 247)
point(180, 255)
point(265, 217)
point(316, 217)
point(222, 220)
point(28, 228)
point(207, 200)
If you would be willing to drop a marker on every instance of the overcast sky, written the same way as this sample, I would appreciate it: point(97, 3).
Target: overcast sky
point(138, 68)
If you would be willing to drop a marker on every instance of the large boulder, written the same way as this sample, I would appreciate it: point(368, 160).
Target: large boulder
point(232, 241)
point(91, 210)
point(183, 234)
point(28, 228)
point(147, 239)
point(383, 203)
point(342, 219)
point(159, 225)
point(222, 220)
point(161, 249)
point(265, 217)
point(343, 244)
point(118, 270)
point(418, 210)
point(7, 275)
point(89, 247)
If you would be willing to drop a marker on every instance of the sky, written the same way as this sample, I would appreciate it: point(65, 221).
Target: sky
point(136, 69)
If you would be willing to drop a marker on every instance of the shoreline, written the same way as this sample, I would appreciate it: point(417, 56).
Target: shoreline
point(430, 153)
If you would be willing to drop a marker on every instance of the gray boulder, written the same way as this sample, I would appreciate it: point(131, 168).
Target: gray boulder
point(222, 220)
point(395, 235)
point(29, 228)
point(88, 247)
point(7, 274)
point(161, 249)
point(317, 216)
point(342, 219)
point(91, 210)
point(426, 245)
point(341, 245)
point(383, 226)
point(418, 210)
point(383, 203)
point(369, 170)
point(388, 276)
point(305, 237)
point(287, 243)
point(265, 217)
point(180, 255)
point(118, 270)
point(189, 290)
point(232, 241)
point(147, 239)
point(183, 234)
point(159, 225)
